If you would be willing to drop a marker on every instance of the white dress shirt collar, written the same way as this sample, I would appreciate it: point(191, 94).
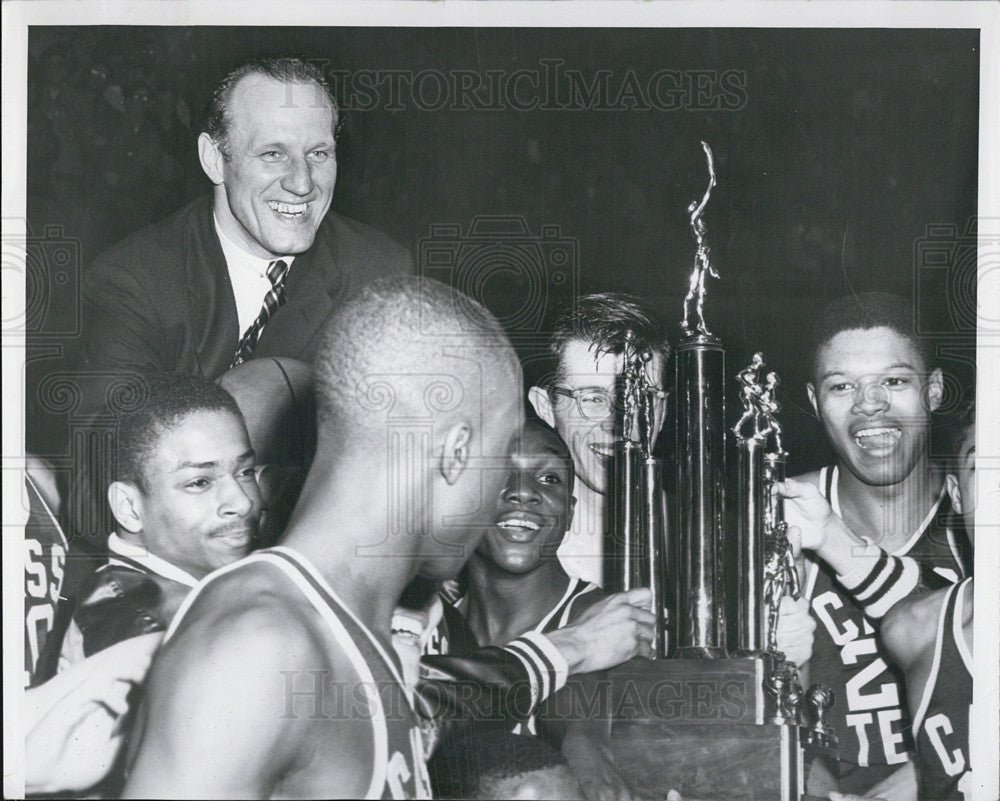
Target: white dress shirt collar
point(247, 276)
point(154, 564)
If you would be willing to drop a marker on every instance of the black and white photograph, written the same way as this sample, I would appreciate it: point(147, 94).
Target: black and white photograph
point(478, 400)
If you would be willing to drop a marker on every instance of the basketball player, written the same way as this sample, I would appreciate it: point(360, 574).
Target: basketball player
point(930, 637)
point(874, 388)
point(516, 583)
point(186, 501)
point(45, 549)
point(577, 399)
point(278, 676)
point(72, 721)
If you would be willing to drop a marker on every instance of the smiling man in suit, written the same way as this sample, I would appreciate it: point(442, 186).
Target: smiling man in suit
point(180, 295)
point(254, 268)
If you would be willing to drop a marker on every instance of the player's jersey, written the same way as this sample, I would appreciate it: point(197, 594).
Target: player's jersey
point(44, 567)
point(941, 721)
point(870, 712)
point(452, 635)
point(398, 767)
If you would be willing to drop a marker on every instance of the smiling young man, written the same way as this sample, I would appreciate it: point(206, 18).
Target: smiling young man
point(516, 583)
point(874, 388)
point(186, 501)
point(286, 656)
point(252, 269)
point(577, 399)
point(517, 587)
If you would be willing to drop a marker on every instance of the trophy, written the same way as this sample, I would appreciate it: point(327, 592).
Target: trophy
point(710, 722)
point(637, 513)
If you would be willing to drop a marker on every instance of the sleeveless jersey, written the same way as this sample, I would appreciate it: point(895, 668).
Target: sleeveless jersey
point(941, 722)
point(398, 767)
point(44, 568)
point(870, 712)
point(452, 635)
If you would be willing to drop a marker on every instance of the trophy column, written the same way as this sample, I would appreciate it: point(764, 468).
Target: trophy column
point(636, 534)
point(701, 478)
point(750, 556)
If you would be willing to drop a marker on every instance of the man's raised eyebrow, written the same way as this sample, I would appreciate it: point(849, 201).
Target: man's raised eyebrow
point(247, 454)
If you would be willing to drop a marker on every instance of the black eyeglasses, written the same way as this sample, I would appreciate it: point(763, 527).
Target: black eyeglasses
point(595, 403)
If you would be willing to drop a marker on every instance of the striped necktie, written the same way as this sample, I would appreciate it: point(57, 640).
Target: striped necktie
point(276, 272)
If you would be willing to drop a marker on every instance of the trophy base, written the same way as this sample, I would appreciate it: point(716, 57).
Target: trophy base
point(699, 652)
point(729, 762)
point(699, 726)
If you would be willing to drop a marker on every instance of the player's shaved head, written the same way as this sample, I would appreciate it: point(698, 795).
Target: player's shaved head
point(409, 349)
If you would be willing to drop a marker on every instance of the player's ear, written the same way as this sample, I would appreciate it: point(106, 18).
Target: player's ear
point(455, 457)
point(570, 512)
point(542, 404)
point(126, 505)
point(211, 158)
point(935, 389)
point(811, 392)
point(951, 482)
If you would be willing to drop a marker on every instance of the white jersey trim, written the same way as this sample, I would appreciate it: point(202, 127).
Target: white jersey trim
point(957, 628)
point(307, 566)
point(925, 698)
point(340, 634)
point(48, 511)
point(905, 547)
point(379, 734)
point(573, 582)
point(150, 561)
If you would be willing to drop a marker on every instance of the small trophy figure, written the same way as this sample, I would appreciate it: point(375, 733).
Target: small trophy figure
point(769, 407)
point(702, 258)
point(819, 700)
point(780, 579)
point(751, 394)
point(784, 694)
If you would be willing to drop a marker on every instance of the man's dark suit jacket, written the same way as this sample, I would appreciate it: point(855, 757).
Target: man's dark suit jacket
point(162, 300)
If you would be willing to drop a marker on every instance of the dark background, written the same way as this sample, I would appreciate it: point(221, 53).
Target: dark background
point(846, 162)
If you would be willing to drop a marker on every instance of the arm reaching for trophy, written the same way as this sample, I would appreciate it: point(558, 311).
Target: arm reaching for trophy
point(610, 632)
point(877, 579)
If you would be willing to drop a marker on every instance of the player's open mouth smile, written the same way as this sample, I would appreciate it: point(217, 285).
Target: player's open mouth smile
point(605, 451)
point(877, 439)
point(288, 211)
point(518, 528)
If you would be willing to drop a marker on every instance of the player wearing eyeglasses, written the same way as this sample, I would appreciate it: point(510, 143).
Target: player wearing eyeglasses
point(577, 399)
